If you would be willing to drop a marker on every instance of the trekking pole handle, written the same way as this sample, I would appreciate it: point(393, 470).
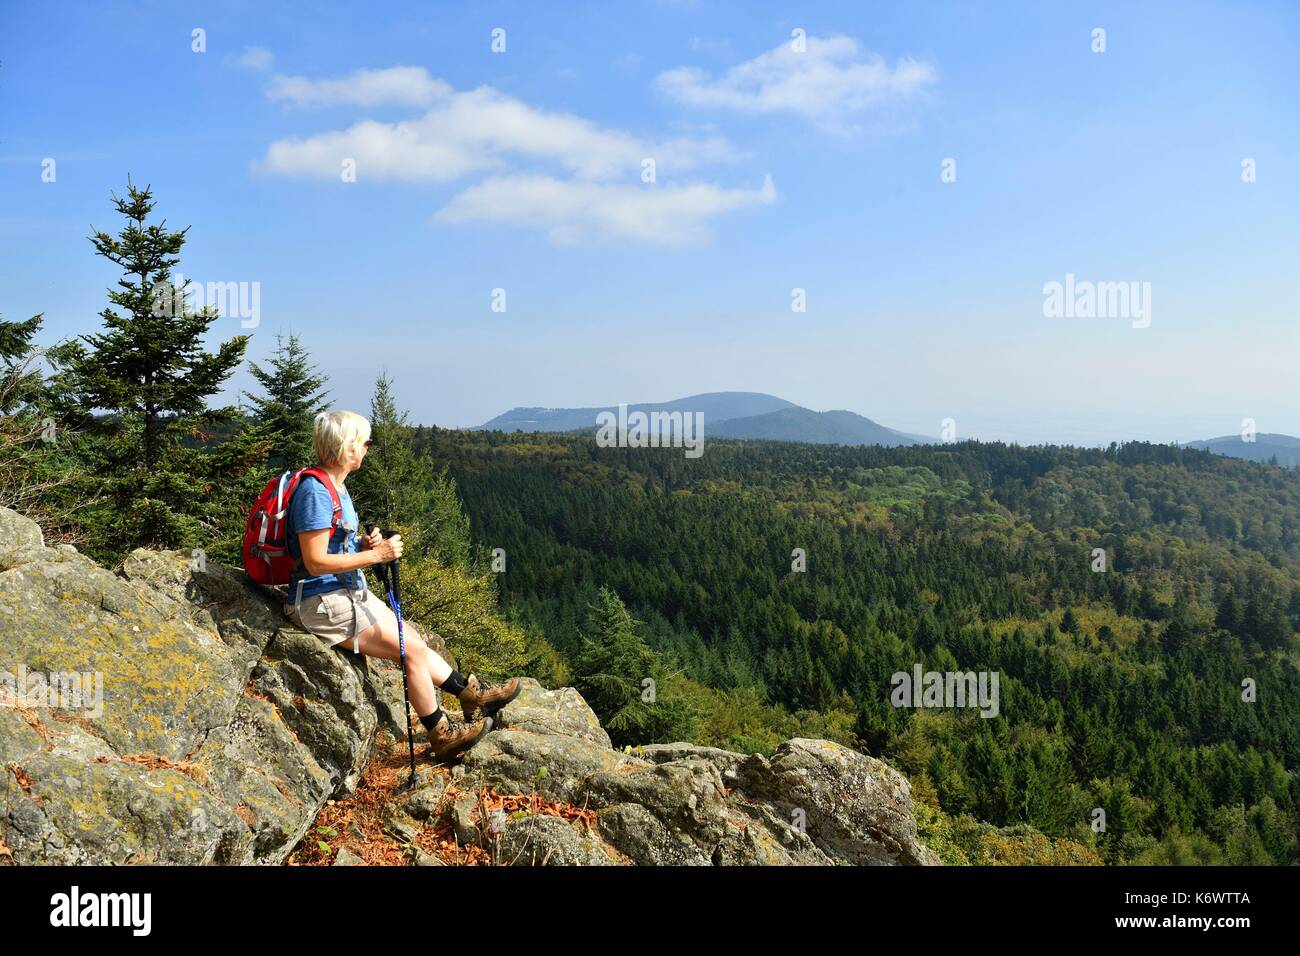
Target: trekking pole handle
point(386, 568)
point(381, 568)
point(384, 536)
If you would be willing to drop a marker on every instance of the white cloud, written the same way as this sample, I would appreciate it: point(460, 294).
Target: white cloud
point(831, 79)
point(256, 58)
point(586, 212)
point(395, 86)
point(398, 151)
point(478, 130)
point(576, 179)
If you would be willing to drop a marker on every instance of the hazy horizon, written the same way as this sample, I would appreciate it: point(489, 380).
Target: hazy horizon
point(926, 429)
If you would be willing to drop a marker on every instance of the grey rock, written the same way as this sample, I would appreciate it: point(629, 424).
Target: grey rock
point(560, 712)
point(725, 761)
point(402, 828)
point(555, 765)
point(18, 532)
point(221, 730)
point(542, 840)
point(685, 796)
point(425, 802)
point(645, 840)
point(853, 807)
point(464, 817)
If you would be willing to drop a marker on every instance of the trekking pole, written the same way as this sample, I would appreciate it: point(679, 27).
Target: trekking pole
point(391, 582)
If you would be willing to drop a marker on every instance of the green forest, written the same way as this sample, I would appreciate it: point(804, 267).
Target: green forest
point(1159, 686)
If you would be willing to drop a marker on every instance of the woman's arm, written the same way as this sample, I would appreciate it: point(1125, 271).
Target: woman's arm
point(317, 559)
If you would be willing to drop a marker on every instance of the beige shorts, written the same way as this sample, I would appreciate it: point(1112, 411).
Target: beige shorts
point(330, 616)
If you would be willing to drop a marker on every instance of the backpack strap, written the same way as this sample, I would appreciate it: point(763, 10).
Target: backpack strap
point(320, 475)
point(283, 491)
point(323, 477)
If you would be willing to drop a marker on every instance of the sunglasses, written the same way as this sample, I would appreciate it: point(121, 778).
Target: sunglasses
point(370, 442)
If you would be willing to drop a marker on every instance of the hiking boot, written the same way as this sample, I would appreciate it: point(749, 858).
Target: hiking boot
point(450, 737)
point(490, 697)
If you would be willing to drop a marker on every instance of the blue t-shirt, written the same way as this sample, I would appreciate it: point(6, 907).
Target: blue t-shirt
point(311, 509)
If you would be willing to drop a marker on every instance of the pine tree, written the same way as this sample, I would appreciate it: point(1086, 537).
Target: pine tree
point(401, 487)
point(1178, 632)
point(293, 398)
point(623, 680)
point(170, 482)
point(1275, 630)
point(20, 383)
point(1228, 613)
point(1070, 622)
point(38, 455)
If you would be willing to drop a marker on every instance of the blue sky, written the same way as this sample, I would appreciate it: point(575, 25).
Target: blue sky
point(776, 168)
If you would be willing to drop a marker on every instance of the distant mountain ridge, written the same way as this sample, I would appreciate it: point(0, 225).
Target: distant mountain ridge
point(757, 415)
point(1265, 447)
point(835, 427)
point(726, 415)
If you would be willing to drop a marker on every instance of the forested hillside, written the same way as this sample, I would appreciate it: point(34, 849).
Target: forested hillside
point(1124, 679)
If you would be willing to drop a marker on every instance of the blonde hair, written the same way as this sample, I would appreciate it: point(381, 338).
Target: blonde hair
point(336, 433)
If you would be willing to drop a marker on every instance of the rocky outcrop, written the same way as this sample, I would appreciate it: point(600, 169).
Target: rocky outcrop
point(219, 731)
point(208, 730)
point(811, 802)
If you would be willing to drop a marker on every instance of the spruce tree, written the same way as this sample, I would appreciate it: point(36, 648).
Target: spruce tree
point(611, 672)
point(1228, 613)
point(293, 398)
point(175, 472)
point(400, 487)
point(20, 382)
point(39, 466)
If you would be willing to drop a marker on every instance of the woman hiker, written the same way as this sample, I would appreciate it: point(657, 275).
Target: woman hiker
point(329, 597)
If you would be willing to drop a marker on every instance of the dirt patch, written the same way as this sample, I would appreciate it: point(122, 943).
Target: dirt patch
point(357, 822)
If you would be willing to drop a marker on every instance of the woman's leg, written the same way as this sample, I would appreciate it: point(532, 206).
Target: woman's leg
point(425, 668)
point(439, 669)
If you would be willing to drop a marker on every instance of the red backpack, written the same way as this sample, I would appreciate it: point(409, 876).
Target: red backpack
point(266, 536)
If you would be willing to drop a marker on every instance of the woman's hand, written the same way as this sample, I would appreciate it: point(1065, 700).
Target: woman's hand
point(317, 559)
point(388, 549)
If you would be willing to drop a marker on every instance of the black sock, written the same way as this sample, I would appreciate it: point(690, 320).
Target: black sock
point(431, 720)
point(454, 684)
